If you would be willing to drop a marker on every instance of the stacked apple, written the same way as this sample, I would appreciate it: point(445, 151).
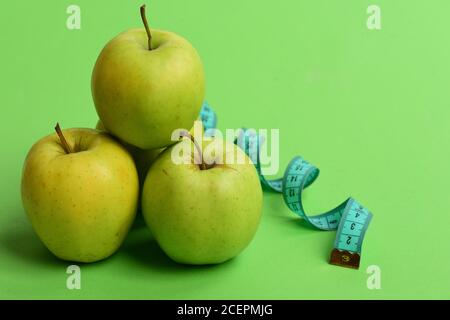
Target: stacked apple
point(81, 187)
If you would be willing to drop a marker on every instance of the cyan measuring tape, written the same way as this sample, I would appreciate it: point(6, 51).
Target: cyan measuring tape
point(208, 117)
point(350, 218)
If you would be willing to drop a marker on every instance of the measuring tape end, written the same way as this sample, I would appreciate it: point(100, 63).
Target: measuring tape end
point(344, 258)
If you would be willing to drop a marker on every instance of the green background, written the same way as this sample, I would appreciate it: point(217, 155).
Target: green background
point(370, 108)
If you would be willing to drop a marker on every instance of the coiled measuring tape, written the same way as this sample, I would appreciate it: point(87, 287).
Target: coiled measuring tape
point(350, 218)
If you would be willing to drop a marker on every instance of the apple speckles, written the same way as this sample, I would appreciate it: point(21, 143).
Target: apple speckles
point(165, 172)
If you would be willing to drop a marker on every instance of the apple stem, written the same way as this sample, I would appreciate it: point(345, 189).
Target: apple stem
point(186, 134)
point(147, 29)
point(63, 140)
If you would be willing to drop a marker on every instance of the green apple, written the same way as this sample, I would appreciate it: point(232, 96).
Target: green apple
point(145, 84)
point(142, 158)
point(202, 213)
point(80, 191)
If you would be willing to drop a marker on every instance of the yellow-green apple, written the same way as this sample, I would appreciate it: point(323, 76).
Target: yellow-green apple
point(80, 192)
point(205, 211)
point(145, 84)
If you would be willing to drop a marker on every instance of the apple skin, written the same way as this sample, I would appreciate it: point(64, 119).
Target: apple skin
point(138, 91)
point(142, 158)
point(81, 204)
point(202, 216)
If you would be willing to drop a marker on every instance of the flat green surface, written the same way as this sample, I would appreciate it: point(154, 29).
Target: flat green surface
point(370, 108)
